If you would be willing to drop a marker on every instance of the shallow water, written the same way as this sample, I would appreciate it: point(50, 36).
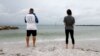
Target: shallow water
point(50, 32)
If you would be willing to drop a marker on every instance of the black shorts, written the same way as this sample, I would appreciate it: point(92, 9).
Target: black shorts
point(33, 32)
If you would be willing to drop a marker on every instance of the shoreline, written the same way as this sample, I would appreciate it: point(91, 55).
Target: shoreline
point(50, 40)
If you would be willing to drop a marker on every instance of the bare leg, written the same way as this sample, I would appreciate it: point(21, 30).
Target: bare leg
point(27, 41)
point(73, 46)
point(66, 46)
point(34, 40)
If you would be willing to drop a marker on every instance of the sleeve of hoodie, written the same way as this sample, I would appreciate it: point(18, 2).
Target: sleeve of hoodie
point(25, 19)
point(36, 18)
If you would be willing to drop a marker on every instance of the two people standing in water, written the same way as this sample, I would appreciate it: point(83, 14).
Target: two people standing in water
point(31, 20)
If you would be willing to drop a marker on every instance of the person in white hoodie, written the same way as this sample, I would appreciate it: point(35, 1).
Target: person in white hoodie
point(31, 20)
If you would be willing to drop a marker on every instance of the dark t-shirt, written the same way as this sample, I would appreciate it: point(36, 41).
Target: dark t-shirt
point(69, 22)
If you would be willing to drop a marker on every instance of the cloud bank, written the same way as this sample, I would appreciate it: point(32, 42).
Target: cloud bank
point(50, 11)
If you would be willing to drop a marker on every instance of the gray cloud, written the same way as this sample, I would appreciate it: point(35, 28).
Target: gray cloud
point(49, 11)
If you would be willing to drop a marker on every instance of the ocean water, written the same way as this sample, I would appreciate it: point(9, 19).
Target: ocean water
point(50, 33)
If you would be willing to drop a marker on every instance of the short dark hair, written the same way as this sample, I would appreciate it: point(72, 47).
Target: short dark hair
point(31, 10)
point(69, 12)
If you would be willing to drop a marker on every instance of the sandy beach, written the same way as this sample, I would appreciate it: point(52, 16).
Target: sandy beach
point(51, 48)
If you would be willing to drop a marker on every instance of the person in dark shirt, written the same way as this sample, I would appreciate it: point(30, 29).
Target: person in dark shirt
point(69, 22)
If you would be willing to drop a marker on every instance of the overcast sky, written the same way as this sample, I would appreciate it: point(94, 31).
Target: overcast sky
point(50, 11)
